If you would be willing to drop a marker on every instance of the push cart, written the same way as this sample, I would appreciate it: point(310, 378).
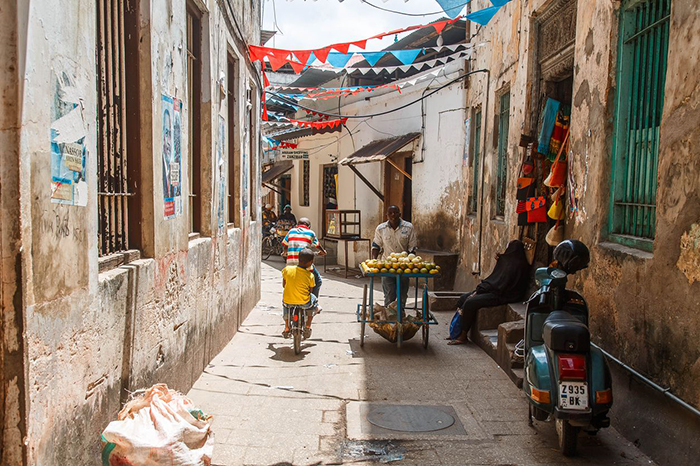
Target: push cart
point(366, 316)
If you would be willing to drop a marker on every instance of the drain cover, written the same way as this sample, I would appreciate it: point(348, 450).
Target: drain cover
point(410, 418)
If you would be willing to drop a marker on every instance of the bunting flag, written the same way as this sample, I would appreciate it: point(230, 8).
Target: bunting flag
point(318, 124)
point(452, 8)
point(277, 57)
point(338, 61)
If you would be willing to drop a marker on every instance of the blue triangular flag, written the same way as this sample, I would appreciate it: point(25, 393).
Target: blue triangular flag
point(483, 16)
point(339, 60)
point(372, 57)
point(499, 2)
point(452, 8)
point(406, 56)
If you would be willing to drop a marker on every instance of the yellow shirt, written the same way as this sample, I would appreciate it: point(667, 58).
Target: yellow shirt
point(299, 283)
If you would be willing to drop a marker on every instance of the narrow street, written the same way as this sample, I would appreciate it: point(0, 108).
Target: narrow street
point(272, 407)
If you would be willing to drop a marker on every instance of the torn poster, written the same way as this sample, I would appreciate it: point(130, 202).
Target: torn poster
point(172, 157)
point(68, 152)
point(221, 175)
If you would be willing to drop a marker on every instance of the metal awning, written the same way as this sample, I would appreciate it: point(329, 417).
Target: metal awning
point(379, 150)
point(276, 171)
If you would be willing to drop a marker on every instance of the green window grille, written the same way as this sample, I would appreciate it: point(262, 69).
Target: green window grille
point(476, 166)
point(641, 78)
point(501, 174)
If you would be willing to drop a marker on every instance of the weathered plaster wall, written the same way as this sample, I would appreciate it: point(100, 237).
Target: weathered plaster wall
point(437, 159)
point(91, 336)
point(12, 355)
point(643, 306)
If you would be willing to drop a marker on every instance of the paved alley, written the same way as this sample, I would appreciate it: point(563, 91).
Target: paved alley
point(272, 407)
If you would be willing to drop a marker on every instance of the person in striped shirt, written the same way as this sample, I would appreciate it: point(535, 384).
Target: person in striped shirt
point(299, 238)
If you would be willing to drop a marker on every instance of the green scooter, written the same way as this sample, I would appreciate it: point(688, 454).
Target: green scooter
point(566, 380)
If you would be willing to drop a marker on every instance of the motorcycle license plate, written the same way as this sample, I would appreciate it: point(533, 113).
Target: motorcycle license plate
point(573, 395)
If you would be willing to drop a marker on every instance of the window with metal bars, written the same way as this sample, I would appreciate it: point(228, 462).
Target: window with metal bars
point(502, 166)
point(112, 184)
point(476, 164)
point(234, 156)
point(640, 95)
point(305, 176)
point(252, 159)
point(194, 94)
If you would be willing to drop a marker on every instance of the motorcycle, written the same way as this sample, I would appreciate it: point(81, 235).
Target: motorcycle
point(565, 380)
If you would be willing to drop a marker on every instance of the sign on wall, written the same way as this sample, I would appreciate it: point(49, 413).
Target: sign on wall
point(172, 157)
point(465, 156)
point(68, 152)
point(293, 154)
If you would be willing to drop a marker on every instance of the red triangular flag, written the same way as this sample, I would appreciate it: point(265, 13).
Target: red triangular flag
point(302, 55)
point(257, 53)
point(440, 26)
point(276, 63)
point(342, 48)
point(296, 66)
point(266, 81)
point(322, 54)
point(360, 43)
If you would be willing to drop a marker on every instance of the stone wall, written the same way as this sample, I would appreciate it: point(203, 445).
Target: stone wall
point(90, 337)
point(643, 305)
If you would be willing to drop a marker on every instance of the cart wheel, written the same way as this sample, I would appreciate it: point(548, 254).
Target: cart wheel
point(425, 329)
point(363, 317)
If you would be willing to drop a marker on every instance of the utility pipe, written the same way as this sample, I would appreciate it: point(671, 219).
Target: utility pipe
point(483, 165)
point(649, 382)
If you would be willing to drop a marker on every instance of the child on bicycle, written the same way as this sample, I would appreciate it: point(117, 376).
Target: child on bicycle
point(298, 281)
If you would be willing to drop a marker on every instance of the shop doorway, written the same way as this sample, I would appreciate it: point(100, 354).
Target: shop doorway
point(552, 79)
point(329, 191)
point(398, 171)
point(285, 184)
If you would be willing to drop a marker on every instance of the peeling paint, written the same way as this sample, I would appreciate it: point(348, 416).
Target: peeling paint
point(689, 259)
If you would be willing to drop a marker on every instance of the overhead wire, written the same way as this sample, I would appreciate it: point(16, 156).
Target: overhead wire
point(389, 10)
point(338, 115)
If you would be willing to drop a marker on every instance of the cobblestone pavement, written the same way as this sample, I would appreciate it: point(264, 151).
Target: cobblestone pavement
point(272, 407)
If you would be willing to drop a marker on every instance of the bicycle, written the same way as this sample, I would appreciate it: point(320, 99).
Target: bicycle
point(296, 325)
point(271, 243)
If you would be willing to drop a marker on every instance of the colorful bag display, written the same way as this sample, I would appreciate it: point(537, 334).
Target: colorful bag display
point(561, 127)
point(536, 208)
point(526, 188)
point(557, 174)
point(549, 119)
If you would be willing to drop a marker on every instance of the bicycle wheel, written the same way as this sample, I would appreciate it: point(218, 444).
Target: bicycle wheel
point(268, 248)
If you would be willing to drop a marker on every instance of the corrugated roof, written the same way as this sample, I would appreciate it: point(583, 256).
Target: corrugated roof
point(277, 170)
point(265, 35)
point(379, 150)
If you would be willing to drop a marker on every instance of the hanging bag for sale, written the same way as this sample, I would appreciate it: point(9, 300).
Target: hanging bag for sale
point(555, 235)
point(536, 208)
point(526, 189)
point(556, 210)
point(557, 174)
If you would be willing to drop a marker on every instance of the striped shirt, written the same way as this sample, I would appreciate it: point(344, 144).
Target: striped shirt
point(297, 239)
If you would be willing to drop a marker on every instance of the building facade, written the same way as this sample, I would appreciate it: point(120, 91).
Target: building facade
point(625, 70)
point(129, 207)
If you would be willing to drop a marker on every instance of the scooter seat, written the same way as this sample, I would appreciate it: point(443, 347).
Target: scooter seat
point(563, 332)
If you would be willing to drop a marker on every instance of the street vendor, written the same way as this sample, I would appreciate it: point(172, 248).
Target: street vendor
point(396, 235)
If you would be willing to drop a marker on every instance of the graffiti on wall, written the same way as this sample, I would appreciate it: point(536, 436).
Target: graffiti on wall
point(68, 152)
point(172, 156)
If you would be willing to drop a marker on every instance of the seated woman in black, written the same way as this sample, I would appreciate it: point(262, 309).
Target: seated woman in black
point(506, 284)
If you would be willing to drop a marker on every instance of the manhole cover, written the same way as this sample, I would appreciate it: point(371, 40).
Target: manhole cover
point(410, 418)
